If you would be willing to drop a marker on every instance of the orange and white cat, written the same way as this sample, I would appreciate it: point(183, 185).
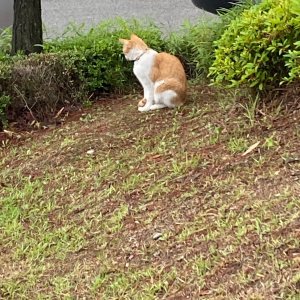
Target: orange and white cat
point(161, 75)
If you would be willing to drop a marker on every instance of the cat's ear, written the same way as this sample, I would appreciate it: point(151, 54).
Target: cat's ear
point(134, 37)
point(123, 41)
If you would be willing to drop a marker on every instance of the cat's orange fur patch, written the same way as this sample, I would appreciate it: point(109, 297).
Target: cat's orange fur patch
point(168, 68)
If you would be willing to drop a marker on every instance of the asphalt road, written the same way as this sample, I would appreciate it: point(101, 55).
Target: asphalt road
point(169, 14)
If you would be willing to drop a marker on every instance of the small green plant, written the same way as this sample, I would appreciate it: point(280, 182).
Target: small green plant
point(98, 281)
point(114, 224)
point(201, 267)
point(237, 145)
point(62, 286)
point(215, 132)
point(250, 110)
point(270, 142)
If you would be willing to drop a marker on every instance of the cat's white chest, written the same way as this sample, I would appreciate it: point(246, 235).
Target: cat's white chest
point(143, 67)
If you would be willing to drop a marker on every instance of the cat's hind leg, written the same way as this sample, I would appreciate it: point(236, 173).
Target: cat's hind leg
point(169, 92)
point(164, 99)
point(164, 95)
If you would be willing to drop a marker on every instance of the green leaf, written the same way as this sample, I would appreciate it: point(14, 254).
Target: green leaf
point(295, 7)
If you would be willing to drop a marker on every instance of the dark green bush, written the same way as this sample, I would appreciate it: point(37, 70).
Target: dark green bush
point(252, 51)
point(39, 84)
point(194, 46)
point(5, 74)
point(4, 102)
point(97, 54)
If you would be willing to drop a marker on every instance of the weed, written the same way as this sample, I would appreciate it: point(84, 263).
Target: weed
point(270, 142)
point(237, 145)
point(250, 110)
point(214, 133)
point(114, 224)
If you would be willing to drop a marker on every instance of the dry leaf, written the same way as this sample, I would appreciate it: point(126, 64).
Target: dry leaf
point(9, 133)
point(90, 152)
point(58, 114)
point(251, 148)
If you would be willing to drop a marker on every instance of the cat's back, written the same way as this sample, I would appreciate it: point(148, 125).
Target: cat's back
point(164, 57)
point(168, 66)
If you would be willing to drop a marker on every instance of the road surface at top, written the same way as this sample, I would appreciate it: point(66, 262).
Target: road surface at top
point(169, 14)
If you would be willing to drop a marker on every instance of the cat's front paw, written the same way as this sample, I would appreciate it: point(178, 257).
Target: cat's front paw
point(142, 102)
point(143, 109)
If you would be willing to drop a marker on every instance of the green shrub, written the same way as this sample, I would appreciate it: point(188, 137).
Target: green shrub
point(293, 64)
point(40, 84)
point(5, 74)
point(293, 56)
point(4, 102)
point(97, 54)
point(194, 43)
point(295, 7)
point(5, 42)
point(252, 51)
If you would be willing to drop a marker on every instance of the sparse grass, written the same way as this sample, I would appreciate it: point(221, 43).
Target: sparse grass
point(237, 144)
point(76, 223)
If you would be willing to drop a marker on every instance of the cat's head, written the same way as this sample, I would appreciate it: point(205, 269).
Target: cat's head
point(134, 47)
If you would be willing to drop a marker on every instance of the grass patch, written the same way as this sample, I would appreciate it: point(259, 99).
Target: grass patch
point(152, 206)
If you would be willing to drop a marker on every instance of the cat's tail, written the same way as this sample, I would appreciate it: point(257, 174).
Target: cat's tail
point(171, 92)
